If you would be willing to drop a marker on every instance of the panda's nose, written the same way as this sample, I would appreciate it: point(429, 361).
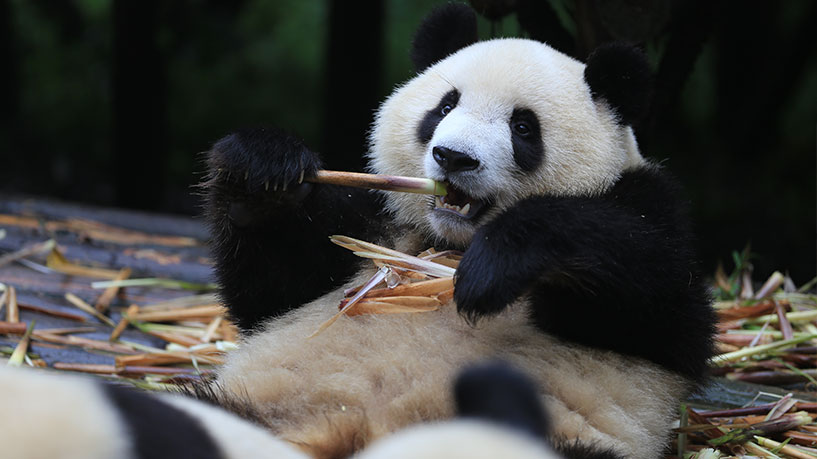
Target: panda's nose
point(453, 161)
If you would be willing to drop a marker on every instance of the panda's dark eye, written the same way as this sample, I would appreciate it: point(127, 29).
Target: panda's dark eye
point(521, 129)
point(446, 109)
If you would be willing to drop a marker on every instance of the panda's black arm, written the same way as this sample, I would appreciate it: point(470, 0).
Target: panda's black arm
point(615, 271)
point(270, 245)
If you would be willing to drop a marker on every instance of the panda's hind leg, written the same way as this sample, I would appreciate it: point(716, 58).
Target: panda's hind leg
point(269, 227)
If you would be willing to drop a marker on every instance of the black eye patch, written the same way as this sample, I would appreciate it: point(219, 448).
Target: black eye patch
point(526, 137)
point(425, 131)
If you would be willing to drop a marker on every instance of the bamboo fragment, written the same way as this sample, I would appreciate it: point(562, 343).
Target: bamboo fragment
point(82, 342)
point(380, 182)
point(52, 312)
point(422, 288)
point(85, 367)
point(446, 296)
point(85, 307)
point(12, 309)
point(785, 449)
point(182, 340)
point(206, 311)
point(165, 359)
point(104, 300)
point(211, 329)
point(12, 328)
point(123, 322)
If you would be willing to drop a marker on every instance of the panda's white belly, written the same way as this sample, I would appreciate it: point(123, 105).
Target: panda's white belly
point(366, 376)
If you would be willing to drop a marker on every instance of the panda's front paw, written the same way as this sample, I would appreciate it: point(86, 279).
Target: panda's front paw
point(261, 164)
point(484, 284)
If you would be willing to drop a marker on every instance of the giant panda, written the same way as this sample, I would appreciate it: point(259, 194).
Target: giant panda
point(578, 264)
point(577, 268)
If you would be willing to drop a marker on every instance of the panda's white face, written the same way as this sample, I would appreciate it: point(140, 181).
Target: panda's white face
point(498, 121)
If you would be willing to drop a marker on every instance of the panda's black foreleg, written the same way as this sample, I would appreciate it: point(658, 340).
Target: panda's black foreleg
point(269, 227)
point(614, 272)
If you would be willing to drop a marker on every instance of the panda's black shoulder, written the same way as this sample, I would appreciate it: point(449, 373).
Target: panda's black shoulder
point(652, 189)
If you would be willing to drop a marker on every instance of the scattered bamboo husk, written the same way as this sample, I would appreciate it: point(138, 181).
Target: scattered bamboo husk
point(380, 182)
point(403, 283)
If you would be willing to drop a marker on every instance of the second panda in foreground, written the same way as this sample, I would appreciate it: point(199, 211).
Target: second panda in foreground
point(577, 262)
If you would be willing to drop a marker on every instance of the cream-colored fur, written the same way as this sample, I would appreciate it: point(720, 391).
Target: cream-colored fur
point(586, 149)
point(376, 374)
point(45, 417)
point(461, 439)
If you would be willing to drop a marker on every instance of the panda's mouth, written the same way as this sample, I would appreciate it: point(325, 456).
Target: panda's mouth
point(458, 203)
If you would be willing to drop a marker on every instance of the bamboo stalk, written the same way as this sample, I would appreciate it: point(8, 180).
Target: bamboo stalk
point(380, 182)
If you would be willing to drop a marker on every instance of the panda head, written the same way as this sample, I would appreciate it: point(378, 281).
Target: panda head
point(502, 120)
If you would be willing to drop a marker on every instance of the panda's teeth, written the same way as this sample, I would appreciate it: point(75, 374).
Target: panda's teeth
point(464, 211)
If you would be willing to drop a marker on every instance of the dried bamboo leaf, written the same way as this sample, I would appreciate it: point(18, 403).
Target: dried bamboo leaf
point(57, 261)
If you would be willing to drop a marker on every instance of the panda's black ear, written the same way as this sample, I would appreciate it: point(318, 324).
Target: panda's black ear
point(445, 30)
point(620, 74)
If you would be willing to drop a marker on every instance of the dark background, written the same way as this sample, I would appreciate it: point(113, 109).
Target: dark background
point(112, 101)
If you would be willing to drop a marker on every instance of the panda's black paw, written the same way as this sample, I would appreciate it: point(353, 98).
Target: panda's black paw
point(261, 164)
point(482, 285)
